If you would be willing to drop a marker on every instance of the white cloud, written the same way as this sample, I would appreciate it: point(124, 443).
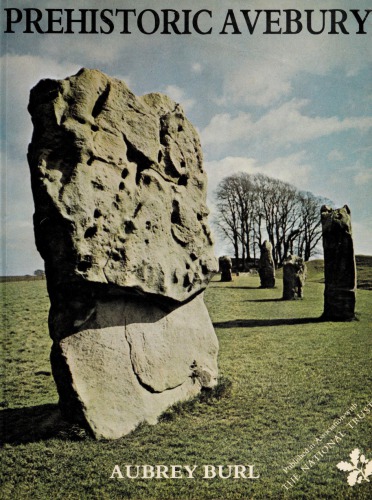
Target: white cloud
point(178, 95)
point(361, 174)
point(23, 73)
point(264, 72)
point(219, 169)
point(363, 177)
point(225, 129)
point(196, 68)
point(292, 168)
point(335, 155)
point(125, 78)
point(283, 125)
point(94, 50)
point(288, 124)
point(257, 84)
point(362, 236)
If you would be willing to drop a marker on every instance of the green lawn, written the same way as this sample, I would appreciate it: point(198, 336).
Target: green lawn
point(289, 377)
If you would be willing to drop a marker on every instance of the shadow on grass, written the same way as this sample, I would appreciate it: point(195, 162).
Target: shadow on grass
point(35, 423)
point(242, 323)
point(206, 396)
point(265, 300)
point(241, 287)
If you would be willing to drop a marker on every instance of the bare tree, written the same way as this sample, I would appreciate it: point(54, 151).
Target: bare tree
point(251, 208)
point(279, 204)
point(236, 214)
point(311, 230)
point(244, 189)
point(227, 217)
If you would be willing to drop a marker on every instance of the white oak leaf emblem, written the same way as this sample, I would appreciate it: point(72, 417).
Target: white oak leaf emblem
point(359, 468)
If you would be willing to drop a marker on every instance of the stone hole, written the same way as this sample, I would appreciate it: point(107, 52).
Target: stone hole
point(175, 216)
point(90, 232)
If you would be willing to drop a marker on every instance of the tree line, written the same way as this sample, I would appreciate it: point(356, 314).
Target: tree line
point(254, 208)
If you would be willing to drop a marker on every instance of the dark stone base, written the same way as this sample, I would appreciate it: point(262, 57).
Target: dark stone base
point(339, 305)
point(226, 276)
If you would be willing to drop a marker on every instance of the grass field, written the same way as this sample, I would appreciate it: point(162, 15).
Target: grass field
point(288, 378)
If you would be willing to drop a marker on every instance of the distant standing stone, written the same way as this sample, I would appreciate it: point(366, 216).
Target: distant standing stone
point(294, 276)
point(266, 267)
point(225, 268)
point(339, 264)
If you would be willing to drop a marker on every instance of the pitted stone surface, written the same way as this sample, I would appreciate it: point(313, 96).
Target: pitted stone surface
point(131, 360)
point(339, 264)
point(121, 222)
point(119, 188)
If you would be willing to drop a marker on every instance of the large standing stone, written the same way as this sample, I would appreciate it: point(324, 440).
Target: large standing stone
point(121, 222)
point(266, 266)
point(225, 268)
point(294, 276)
point(339, 264)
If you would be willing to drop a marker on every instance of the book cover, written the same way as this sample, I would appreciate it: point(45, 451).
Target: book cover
point(280, 94)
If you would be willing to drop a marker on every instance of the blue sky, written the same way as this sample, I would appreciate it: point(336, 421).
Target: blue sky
point(296, 107)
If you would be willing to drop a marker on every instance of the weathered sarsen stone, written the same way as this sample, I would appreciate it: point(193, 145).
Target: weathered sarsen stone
point(266, 266)
point(225, 264)
point(121, 222)
point(294, 276)
point(339, 264)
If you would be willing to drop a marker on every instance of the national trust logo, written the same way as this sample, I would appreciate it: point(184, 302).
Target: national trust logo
point(359, 468)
